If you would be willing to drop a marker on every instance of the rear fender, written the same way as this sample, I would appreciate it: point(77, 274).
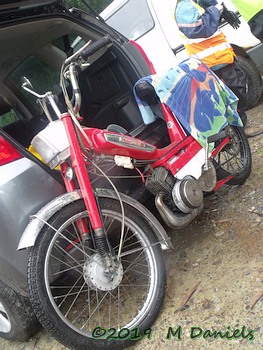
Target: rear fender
point(38, 220)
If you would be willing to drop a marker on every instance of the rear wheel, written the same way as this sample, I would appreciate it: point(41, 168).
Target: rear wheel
point(235, 158)
point(69, 292)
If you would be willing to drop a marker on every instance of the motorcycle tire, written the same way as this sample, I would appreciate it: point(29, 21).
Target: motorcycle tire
point(67, 290)
point(254, 85)
point(235, 158)
point(17, 319)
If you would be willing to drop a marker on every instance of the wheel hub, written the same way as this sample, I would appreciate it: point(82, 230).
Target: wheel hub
point(233, 148)
point(207, 180)
point(96, 277)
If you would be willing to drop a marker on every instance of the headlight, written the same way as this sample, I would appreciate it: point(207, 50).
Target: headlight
point(52, 144)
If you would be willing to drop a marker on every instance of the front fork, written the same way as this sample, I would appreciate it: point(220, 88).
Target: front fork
point(89, 197)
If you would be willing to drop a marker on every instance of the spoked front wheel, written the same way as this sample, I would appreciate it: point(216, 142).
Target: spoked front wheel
point(235, 158)
point(70, 294)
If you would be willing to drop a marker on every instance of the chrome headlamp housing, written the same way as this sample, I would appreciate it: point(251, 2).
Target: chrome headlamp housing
point(52, 144)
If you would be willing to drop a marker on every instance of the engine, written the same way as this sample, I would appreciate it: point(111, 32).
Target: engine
point(184, 195)
point(160, 181)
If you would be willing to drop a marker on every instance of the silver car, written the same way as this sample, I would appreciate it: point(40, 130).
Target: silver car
point(25, 186)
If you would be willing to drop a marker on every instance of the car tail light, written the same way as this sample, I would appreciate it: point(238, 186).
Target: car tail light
point(7, 152)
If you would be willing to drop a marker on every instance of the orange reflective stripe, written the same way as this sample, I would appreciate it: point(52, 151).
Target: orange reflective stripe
point(213, 51)
point(220, 57)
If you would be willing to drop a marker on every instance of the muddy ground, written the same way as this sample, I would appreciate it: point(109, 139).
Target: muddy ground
point(219, 258)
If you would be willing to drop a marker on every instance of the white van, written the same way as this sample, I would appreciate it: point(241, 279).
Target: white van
point(151, 23)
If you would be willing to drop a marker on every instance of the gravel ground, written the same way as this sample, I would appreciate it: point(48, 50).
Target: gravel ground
point(219, 260)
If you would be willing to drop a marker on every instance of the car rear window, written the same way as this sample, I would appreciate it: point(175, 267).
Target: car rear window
point(42, 75)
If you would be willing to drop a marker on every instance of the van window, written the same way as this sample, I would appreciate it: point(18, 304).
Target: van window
point(131, 22)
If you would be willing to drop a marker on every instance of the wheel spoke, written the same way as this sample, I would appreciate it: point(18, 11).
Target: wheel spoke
point(231, 157)
point(73, 302)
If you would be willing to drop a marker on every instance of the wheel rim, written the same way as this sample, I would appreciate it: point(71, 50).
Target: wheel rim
point(5, 324)
point(232, 158)
point(84, 307)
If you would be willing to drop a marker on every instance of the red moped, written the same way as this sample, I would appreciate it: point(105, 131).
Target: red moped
point(96, 273)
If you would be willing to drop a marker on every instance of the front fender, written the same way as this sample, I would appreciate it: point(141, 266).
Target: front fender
point(38, 220)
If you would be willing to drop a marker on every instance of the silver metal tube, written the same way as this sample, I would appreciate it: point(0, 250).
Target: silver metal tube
point(51, 100)
point(75, 87)
point(173, 220)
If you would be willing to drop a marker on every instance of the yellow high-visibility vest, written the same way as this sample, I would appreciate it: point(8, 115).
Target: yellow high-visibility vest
point(248, 9)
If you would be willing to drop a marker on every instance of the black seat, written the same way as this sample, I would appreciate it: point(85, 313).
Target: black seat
point(146, 92)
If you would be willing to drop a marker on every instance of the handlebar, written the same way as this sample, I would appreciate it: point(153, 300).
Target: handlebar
point(84, 52)
point(88, 49)
point(47, 97)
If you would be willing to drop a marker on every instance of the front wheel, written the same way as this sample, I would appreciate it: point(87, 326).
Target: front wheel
point(235, 158)
point(69, 293)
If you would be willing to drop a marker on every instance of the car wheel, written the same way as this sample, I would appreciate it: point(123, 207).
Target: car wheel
point(254, 80)
point(17, 319)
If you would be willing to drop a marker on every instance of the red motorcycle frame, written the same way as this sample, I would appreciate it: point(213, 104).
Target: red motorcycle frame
point(174, 157)
point(122, 148)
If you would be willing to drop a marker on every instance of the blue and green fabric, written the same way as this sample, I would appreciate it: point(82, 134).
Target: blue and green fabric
point(202, 103)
